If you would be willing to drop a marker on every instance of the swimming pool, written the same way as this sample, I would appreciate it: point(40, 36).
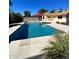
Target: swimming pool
point(33, 30)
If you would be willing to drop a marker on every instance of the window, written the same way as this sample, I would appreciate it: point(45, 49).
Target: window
point(59, 17)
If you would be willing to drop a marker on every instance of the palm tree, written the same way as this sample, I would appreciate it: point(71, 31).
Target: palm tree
point(27, 13)
point(52, 11)
point(42, 10)
point(59, 49)
point(59, 10)
point(10, 2)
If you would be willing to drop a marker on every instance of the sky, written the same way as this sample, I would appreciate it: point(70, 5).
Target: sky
point(34, 5)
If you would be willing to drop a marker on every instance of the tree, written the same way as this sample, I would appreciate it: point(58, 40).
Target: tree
point(18, 17)
point(15, 17)
point(10, 3)
point(27, 13)
point(52, 11)
point(58, 49)
point(66, 10)
point(59, 10)
point(42, 10)
point(11, 17)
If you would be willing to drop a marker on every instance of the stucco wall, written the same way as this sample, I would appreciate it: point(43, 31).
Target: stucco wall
point(45, 18)
point(60, 20)
point(55, 19)
point(32, 19)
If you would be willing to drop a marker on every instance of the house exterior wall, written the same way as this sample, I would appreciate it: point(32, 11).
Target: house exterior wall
point(60, 20)
point(55, 19)
point(67, 19)
point(44, 18)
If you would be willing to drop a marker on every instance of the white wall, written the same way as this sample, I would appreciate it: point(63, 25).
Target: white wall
point(55, 19)
point(45, 18)
point(60, 20)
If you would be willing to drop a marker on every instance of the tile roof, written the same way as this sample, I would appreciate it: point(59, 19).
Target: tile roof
point(38, 14)
point(57, 13)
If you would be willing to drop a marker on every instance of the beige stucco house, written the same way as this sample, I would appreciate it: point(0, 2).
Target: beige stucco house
point(59, 17)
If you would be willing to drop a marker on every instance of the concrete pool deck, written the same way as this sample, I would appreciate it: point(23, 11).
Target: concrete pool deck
point(13, 29)
point(62, 27)
point(25, 48)
point(28, 47)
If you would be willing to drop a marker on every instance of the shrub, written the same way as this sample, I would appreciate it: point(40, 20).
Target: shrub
point(59, 49)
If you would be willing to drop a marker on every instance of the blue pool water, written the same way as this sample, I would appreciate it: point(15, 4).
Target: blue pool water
point(32, 30)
